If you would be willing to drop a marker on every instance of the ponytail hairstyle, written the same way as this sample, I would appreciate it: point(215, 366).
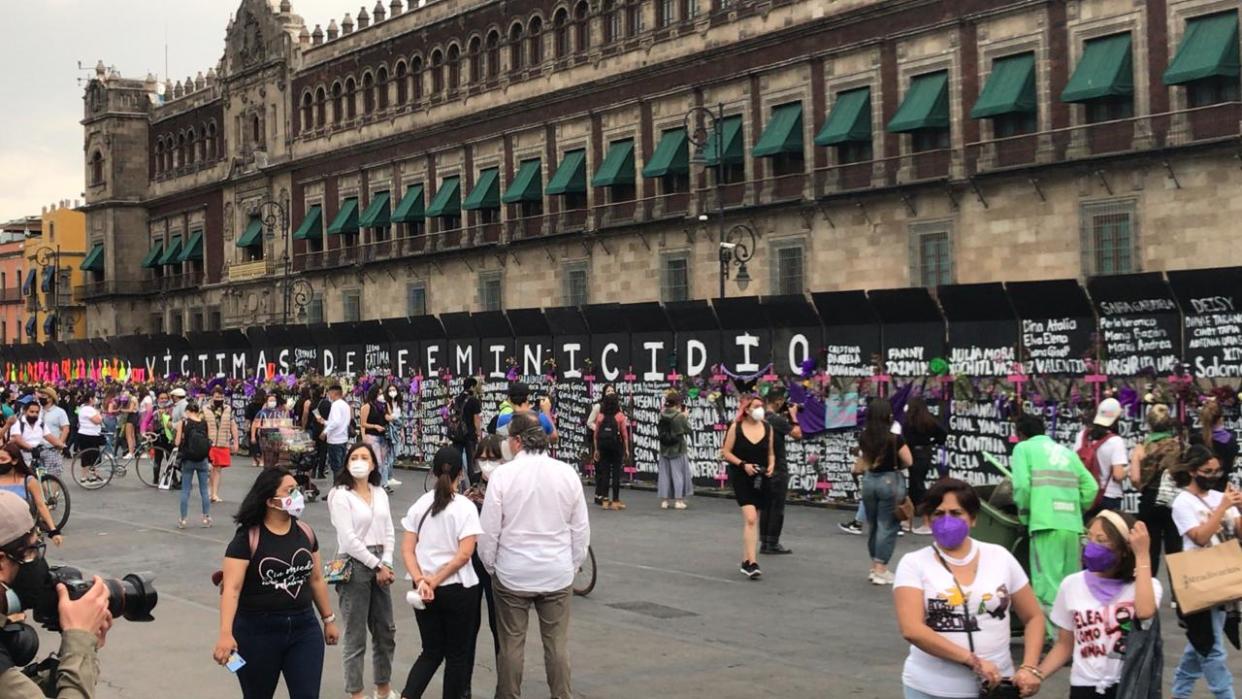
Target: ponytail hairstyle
point(447, 469)
point(1209, 415)
point(1195, 456)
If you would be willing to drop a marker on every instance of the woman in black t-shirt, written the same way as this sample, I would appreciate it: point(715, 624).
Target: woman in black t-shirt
point(924, 434)
point(881, 457)
point(272, 575)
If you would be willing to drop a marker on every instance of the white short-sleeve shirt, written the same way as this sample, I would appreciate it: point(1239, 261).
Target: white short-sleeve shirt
point(440, 536)
point(1111, 453)
point(1100, 630)
point(1189, 511)
point(989, 599)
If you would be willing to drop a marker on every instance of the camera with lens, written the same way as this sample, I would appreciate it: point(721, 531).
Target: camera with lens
point(133, 597)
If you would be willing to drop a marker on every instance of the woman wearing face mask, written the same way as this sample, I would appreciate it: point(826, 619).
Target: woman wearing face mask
point(440, 533)
point(749, 451)
point(15, 477)
point(364, 532)
point(1093, 606)
point(395, 419)
point(611, 437)
point(954, 600)
point(257, 403)
point(90, 439)
point(266, 427)
point(1205, 517)
point(222, 431)
point(882, 455)
point(1215, 436)
point(489, 457)
point(271, 578)
point(191, 436)
point(373, 420)
point(607, 390)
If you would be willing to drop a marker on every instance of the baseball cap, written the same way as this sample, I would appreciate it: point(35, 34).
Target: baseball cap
point(1107, 412)
point(519, 391)
point(15, 519)
point(178, 392)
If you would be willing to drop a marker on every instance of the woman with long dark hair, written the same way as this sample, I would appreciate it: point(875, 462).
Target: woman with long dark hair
point(1111, 457)
point(924, 435)
point(1151, 465)
point(440, 533)
point(17, 478)
point(1215, 436)
point(751, 455)
point(611, 439)
point(256, 404)
point(881, 457)
point(373, 420)
point(270, 579)
point(364, 532)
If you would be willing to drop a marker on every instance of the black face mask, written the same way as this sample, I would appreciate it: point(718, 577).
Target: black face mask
point(1206, 482)
point(218, 402)
point(32, 419)
point(32, 582)
point(21, 641)
point(5, 469)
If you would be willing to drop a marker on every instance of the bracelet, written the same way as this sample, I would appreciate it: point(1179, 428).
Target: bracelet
point(1033, 670)
point(329, 619)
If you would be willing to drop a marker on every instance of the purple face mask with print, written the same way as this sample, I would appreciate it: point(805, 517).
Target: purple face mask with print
point(949, 532)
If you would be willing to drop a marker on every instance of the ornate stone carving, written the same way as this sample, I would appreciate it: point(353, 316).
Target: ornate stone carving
point(251, 51)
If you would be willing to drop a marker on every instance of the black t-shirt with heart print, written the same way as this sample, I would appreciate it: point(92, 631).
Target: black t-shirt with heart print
point(278, 578)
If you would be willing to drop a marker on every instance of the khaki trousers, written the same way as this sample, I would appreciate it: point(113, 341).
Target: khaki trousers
point(512, 620)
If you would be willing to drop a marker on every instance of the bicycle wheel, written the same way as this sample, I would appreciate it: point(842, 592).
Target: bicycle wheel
point(56, 497)
point(150, 465)
point(429, 481)
point(584, 579)
point(92, 477)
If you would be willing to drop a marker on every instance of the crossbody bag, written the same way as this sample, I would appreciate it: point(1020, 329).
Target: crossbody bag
point(1006, 689)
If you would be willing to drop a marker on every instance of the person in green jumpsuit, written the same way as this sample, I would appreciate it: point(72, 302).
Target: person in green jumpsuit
point(1052, 489)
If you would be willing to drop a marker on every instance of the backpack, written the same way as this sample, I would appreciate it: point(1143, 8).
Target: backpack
point(608, 434)
point(458, 430)
point(196, 444)
point(217, 578)
point(1158, 458)
point(1088, 453)
point(669, 438)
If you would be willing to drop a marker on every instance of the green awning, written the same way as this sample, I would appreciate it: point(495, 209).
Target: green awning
point(671, 156)
point(376, 215)
point(731, 134)
point(849, 121)
point(1010, 88)
point(926, 105)
point(346, 221)
point(312, 225)
point(152, 259)
point(193, 249)
point(1103, 71)
point(527, 184)
point(618, 165)
point(447, 201)
point(253, 235)
point(172, 252)
point(94, 259)
point(1209, 49)
point(783, 133)
point(486, 192)
point(570, 177)
point(410, 208)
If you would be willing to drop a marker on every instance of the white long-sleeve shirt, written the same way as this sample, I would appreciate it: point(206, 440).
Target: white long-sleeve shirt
point(535, 524)
point(359, 525)
point(336, 428)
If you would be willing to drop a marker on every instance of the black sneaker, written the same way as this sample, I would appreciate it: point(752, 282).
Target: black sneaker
point(778, 549)
point(851, 527)
point(745, 568)
point(754, 572)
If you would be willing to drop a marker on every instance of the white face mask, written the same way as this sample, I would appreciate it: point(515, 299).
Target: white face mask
point(392, 394)
point(359, 468)
point(487, 467)
point(506, 452)
point(293, 503)
point(757, 414)
point(271, 405)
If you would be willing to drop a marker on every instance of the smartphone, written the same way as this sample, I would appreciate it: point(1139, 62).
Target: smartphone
point(235, 663)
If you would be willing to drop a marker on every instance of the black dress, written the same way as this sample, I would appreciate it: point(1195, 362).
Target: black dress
point(745, 490)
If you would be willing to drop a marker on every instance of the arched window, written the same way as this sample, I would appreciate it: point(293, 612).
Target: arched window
point(493, 53)
point(159, 155)
point(97, 168)
point(515, 48)
point(560, 30)
point(437, 72)
point(403, 88)
point(191, 141)
point(582, 27)
point(612, 21)
point(475, 55)
point(351, 98)
point(634, 18)
point(454, 67)
point(203, 142)
point(368, 93)
point(381, 85)
point(256, 130)
point(321, 107)
point(169, 146)
point(308, 112)
point(213, 145)
point(338, 104)
point(416, 75)
point(535, 37)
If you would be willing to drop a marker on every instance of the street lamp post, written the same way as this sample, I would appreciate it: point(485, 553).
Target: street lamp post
point(700, 138)
point(736, 248)
point(42, 257)
point(295, 292)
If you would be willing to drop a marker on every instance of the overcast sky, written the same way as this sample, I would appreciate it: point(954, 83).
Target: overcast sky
point(40, 137)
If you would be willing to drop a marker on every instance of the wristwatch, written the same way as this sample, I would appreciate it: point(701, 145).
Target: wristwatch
point(329, 619)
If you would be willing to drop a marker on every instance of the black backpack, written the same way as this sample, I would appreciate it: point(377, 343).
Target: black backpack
point(668, 436)
point(195, 443)
point(458, 430)
point(608, 434)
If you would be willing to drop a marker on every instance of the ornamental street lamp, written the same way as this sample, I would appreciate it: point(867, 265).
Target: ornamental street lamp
point(705, 118)
point(297, 293)
point(43, 257)
point(736, 248)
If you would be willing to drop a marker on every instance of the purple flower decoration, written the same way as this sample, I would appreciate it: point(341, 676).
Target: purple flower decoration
point(512, 374)
point(808, 367)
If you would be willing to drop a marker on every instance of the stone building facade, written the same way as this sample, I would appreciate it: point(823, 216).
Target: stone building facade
point(472, 156)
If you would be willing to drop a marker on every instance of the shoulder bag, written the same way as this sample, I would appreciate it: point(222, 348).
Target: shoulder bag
point(1006, 689)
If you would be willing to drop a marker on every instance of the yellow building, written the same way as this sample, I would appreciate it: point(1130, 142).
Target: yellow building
point(58, 257)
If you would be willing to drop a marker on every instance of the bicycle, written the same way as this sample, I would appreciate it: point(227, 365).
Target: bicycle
point(584, 577)
point(108, 465)
point(55, 495)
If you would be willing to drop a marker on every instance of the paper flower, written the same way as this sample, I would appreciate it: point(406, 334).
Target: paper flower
point(938, 367)
point(808, 367)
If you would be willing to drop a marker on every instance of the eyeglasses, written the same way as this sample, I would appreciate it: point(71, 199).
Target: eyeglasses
point(22, 551)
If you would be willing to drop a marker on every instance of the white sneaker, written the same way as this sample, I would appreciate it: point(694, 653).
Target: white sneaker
point(679, 505)
point(923, 530)
point(887, 577)
point(874, 579)
point(664, 504)
point(395, 484)
point(391, 694)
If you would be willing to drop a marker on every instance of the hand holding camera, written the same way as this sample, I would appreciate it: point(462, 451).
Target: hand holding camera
point(87, 613)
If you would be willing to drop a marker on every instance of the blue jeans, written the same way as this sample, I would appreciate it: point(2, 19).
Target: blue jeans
point(188, 469)
point(916, 694)
point(1212, 667)
point(881, 493)
point(272, 644)
point(336, 458)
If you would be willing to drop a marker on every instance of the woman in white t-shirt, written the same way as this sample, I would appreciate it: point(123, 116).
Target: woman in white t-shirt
point(90, 439)
point(1203, 516)
point(1111, 455)
point(440, 533)
point(953, 604)
point(1097, 608)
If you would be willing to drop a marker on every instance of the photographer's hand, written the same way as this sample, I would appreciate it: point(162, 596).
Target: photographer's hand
point(89, 613)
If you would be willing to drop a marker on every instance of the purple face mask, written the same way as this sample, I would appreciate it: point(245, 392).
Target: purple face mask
point(949, 532)
point(1098, 558)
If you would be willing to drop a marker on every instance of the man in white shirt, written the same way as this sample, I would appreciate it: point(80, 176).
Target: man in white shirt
point(336, 429)
point(55, 431)
point(535, 537)
point(27, 431)
point(178, 409)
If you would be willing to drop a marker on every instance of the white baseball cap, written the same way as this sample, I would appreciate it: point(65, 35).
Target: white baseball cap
point(1107, 412)
point(15, 519)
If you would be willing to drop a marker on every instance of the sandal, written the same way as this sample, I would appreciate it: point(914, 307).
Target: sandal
point(216, 498)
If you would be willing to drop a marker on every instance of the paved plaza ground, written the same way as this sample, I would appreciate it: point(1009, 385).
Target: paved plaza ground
point(671, 615)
